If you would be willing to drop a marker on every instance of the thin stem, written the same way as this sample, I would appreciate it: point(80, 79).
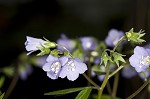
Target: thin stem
point(122, 38)
point(12, 85)
point(115, 85)
point(91, 81)
point(108, 87)
point(114, 72)
point(100, 91)
point(140, 89)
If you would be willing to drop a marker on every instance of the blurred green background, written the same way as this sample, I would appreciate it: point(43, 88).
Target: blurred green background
point(75, 18)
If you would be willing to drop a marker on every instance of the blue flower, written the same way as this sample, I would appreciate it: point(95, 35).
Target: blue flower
point(88, 43)
point(24, 71)
point(53, 66)
point(32, 44)
point(140, 60)
point(66, 42)
point(113, 37)
point(128, 72)
point(73, 68)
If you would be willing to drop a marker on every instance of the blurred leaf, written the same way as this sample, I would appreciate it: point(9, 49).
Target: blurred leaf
point(84, 94)
point(2, 79)
point(65, 91)
point(1, 96)
point(98, 70)
point(77, 53)
point(9, 71)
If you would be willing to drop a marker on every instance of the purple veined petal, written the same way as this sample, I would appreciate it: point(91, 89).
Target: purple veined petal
point(47, 66)
point(63, 72)
point(72, 75)
point(135, 60)
point(52, 75)
point(51, 58)
point(63, 60)
point(140, 51)
point(80, 67)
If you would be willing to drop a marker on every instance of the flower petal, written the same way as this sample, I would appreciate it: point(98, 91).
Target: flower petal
point(63, 60)
point(51, 58)
point(52, 75)
point(47, 66)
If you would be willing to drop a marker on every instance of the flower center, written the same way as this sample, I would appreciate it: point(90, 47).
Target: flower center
point(71, 66)
point(145, 60)
point(88, 44)
point(55, 67)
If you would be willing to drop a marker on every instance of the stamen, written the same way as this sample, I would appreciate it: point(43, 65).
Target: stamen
point(56, 67)
point(145, 60)
point(71, 66)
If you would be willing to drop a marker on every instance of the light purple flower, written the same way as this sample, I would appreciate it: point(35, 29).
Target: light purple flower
point(101, 77)
point(24, 71)
point(73, 68)
point(53, 66)
point(32, 44)
point(128, 72)
point(40, 61)
point(88, 43)
point(66, 42)
point(140, 60)
point(97, 60)
point(113, 37)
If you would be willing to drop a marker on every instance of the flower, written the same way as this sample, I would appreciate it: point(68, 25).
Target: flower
point(144, 75)
point(88, 43)
point(128, 72)
point(66, 42)
point(140, 60)
point(24, 71)
point(32, 44)
point(73, 68)
point(113, 37)
point(53, 66)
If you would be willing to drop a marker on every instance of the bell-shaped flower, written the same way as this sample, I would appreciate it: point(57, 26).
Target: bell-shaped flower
point(140, 60)
point(88, 43)
point(53, 66)
point(33, 44)
point(73, 68)
point(69, 44)
point(113, 37)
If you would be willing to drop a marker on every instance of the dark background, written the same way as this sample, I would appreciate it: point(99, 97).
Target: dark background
point(50, 18)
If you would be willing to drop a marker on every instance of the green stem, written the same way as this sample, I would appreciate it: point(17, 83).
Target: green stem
point(108, 87)
point(115, 85)
point(139, 90)
point(91, 81)
point(122, 38)
point(12, 85)
point(113, 73)
point(100, 91)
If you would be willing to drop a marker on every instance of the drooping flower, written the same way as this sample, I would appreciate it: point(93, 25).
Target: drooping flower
point(140, 60)
point(32, 44)
point(73, 68)
point(25, 71)
point(128, 72)
point(66, 42)
point(113, 37)
point(88, 43)
point(53, 66)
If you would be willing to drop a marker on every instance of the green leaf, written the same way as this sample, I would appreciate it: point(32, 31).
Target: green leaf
point(84, 94)
point(99, 70)
point(9, 71)
point(78, 53)
point(1, 96)
point(2, 79)
point(65, 91)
